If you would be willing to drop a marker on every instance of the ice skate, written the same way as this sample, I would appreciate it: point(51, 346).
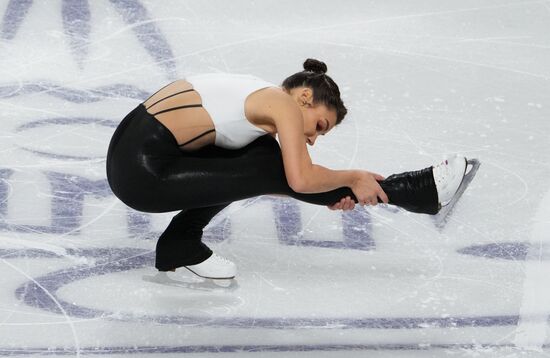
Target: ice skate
point(193, 283)
point(451, 178)
point(216, 268)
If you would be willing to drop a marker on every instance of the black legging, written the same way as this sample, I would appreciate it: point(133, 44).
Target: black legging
point(148, 172)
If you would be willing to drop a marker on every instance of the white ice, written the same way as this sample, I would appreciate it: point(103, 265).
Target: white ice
point(421, 79)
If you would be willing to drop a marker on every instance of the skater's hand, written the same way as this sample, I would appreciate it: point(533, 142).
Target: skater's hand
point(367, 190)
point(344, 204)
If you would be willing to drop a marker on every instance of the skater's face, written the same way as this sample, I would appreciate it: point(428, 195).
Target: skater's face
point(318, 118)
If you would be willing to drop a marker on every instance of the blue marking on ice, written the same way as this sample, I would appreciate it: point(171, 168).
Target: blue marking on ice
point(112, 260)
point(276, 348)
point(500, 250)
point(13, 17)
point(71, 94)
point(76, 23)
point(148, 33)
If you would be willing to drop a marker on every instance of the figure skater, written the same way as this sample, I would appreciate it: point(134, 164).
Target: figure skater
point(199, 144)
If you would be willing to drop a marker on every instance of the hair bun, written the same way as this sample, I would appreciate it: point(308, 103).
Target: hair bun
point(315, 66)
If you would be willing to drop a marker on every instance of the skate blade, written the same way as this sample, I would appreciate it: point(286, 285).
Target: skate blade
point(441, 217)
point(194, 283)
point(221, 281)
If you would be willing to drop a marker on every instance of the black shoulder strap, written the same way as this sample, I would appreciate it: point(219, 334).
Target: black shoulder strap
point(172, 95)
point(197, 137)
point(179, 107)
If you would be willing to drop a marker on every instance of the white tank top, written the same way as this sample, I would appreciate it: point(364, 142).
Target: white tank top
point(223, 96)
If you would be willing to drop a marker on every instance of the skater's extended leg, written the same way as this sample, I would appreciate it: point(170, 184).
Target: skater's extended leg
point(221, 176)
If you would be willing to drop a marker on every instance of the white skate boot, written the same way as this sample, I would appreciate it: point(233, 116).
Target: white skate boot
point(448, 176)
point(451, 179)
point(215, 267)
point(216, 270)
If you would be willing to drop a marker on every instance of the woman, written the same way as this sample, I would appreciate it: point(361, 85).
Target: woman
point(199, 144)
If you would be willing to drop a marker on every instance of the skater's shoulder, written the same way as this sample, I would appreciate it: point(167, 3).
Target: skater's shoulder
point(271, 102)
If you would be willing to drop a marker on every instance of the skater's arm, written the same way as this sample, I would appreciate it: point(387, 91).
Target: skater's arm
point(302, 175)
point(364, 184)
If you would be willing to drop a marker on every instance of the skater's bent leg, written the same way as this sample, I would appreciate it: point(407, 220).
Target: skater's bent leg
point(180, 244)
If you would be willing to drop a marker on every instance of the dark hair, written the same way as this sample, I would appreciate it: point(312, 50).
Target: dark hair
point(325, 90)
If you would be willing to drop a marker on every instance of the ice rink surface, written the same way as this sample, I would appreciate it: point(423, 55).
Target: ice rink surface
point(421, 79)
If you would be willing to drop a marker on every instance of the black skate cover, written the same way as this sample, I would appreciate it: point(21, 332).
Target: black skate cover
point(413, 191)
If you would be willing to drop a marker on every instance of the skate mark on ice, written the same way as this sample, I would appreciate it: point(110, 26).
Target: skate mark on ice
point(41, 293)
point(436, 57)
point(52, 297)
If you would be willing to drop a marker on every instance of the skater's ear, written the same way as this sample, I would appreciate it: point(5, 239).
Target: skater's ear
point(305, 97)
